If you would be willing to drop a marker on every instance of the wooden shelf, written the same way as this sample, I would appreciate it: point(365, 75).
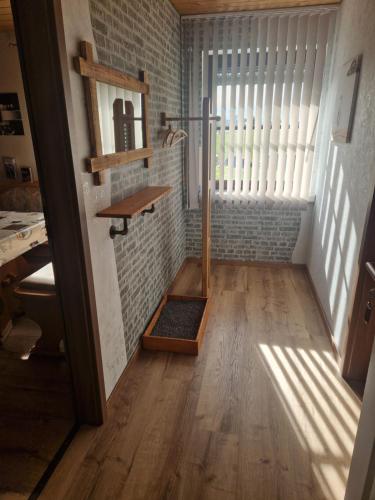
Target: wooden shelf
point(139, 203)
point(136, 203)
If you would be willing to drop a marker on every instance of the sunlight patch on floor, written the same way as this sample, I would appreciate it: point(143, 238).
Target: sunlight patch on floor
point(321, 409)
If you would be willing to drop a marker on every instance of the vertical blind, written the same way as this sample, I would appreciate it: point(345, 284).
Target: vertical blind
point(264, 76)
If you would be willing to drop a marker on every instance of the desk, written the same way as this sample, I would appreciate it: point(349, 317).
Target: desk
point(19, 232)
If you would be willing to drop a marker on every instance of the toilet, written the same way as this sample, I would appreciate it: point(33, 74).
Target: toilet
point(39, 300)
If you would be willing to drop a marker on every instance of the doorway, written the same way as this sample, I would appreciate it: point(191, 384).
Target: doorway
point(44, 397)
point(37, 408)
point(362, 324)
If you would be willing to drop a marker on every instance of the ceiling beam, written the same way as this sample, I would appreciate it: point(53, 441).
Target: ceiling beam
point(6, 17)
point(193, 7)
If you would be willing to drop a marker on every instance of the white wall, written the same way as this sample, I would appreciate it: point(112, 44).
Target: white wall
point(77, 27)
point(19, 147)
point(346, 173)
point(301, 250)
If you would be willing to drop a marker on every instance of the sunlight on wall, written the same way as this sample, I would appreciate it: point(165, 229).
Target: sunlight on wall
point(335, 276)
point(322, 410)
point(338, 241)
point(344, 221)
point(345, 173)
point(329, 245)
point(340, 315)
point(350, 252)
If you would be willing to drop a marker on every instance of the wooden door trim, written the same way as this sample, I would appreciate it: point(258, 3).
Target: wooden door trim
point(367, 252)
point(45, 73)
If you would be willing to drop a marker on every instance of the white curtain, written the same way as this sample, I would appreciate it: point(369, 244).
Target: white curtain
point(264, 76)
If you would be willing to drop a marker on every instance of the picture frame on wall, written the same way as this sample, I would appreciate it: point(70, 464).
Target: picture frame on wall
point(10, 114)
point(346, 100)
point(26, 174)
point(10, 168)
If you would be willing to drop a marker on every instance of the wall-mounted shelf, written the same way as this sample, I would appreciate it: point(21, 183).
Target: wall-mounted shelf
point(141, 202)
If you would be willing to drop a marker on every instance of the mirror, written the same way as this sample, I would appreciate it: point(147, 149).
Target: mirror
point(117, 111)
point(120, 118)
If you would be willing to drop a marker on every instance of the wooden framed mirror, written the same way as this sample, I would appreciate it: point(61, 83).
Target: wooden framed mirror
point(117, 109)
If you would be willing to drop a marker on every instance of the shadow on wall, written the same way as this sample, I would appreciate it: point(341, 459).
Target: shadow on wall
point(339, 243)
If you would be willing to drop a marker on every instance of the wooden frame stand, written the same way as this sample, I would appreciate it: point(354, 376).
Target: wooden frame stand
point(206, 197)
point(178, 344)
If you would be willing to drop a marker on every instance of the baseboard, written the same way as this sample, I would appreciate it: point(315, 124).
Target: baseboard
point(327, 327)
point(125, 371)
point(247, 263)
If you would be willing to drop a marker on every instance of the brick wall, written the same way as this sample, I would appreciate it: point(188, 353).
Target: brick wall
point(263, 233)
point(145, 35)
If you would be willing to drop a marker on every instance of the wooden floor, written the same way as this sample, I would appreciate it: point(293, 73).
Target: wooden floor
point(36, 414)
point(261, 413)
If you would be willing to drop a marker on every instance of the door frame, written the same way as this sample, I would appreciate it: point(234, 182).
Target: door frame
point(367, 252)
point(361, 480)
point(44, 66)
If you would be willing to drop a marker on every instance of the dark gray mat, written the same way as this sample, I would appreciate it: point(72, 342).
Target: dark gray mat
point(179, 319)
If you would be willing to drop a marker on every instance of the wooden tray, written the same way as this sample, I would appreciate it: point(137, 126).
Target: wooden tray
point(171, 344)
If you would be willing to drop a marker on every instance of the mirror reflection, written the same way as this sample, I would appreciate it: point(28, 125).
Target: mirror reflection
point(120, 117)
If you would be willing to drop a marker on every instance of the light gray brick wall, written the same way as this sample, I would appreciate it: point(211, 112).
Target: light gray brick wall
point(263, 233)
point(145, 35)
point(132, 35)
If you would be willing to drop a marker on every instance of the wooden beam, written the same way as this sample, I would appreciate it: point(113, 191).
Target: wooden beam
point(108, 75)
point(91, 96)
point(145, 124)
point(206, 198)
point(116, 159)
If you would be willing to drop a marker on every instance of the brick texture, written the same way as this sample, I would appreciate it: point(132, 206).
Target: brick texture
point(145, 35)
point(266, 232)
point(262, 233)
point(131, 36)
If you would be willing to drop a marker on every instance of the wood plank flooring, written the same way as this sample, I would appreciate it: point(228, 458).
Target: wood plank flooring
point(36, 415)
point(261, 413)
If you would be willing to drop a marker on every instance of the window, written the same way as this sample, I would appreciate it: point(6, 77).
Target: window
point(264, 76)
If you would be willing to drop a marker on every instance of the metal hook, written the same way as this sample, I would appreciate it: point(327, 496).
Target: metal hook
point(113, 231)
point(148, 210)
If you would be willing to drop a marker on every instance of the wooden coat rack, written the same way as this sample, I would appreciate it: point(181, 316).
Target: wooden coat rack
point(157, 335)
point(206, 197)
point(206, 120)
